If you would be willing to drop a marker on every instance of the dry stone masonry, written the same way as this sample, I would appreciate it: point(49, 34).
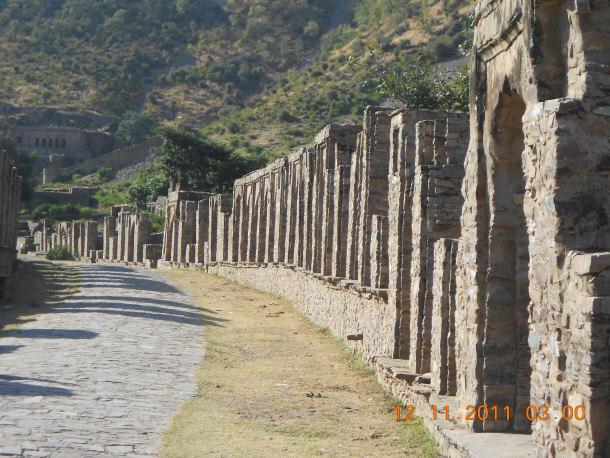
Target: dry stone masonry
point(10, 192)
point(467, 258)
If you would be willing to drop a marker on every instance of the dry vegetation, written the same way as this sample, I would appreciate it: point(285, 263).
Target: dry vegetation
point(274, 385)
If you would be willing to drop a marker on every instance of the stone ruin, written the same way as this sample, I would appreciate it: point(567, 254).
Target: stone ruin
point(10, 193)
point(467, 258)
point(125, 237)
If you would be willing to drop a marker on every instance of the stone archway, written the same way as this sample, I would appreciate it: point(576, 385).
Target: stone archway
point(506, 354)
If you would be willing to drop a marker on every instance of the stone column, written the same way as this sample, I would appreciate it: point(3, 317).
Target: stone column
point(443, 318)
point(379, 252)
point(74, 238)
point(202, 228)
point(270, 215)
point(121, 235)
point(305, 261)
point(353, 233)
point(422, 251)
point(213, 210)
point(109, 231)
point(142, 232)
point(261, 219)
point(186, 228)
point(90, 243)
point(279, 232)
point(374, 190)
point(341, 221)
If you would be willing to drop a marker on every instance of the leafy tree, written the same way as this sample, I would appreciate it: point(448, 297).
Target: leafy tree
point(135, 128)
point(104, 174)
point(417, 84)
point(201, 164)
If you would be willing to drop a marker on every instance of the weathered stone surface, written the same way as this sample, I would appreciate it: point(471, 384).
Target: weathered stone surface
point(105, 372)
point(10, 191)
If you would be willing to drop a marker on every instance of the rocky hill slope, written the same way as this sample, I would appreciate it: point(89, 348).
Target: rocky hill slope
point(233, 66)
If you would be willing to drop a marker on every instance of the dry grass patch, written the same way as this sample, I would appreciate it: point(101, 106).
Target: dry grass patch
point(274, 385)
point(37, 287)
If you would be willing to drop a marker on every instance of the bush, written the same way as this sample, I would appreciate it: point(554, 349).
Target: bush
point(60, 253)
point(105, 174)
point(157, 223)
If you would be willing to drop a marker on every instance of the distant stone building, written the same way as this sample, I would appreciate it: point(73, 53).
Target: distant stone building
point(73, 143)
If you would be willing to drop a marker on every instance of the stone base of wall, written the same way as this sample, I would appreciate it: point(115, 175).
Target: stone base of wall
point(342, 307)
point(453, 441)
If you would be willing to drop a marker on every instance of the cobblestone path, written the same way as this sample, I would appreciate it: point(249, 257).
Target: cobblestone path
point(104, 372)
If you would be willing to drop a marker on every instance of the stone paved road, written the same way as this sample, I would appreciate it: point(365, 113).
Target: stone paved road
point(104, 372)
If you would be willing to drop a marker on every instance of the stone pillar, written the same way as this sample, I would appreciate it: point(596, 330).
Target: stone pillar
point(353, 233)
point(374, 188)
point(281, 216)
point(271, 189)
point(74, 238)
point(306, 241)
point(109, 231)
point(443, 368)
point(186, 229)
point(422, 251)
point(251, 208)
point(341, 221)
point(261, 218)
point(293, 207)
point(90, 243)
point(379, 252)
point(213, 210)
point(141, 234)
point(113, 244)
point(202, 228)
point(121, 235)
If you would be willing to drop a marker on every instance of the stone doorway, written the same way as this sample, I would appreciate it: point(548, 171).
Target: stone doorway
point(506, 353)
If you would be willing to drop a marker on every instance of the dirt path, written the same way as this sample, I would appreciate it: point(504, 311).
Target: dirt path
point(274, 385)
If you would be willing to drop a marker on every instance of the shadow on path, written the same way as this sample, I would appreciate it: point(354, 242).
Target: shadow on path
point(28, 390)
point(135, 302)
point(54, 334)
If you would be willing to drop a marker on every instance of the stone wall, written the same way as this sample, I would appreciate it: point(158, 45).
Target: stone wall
point(468, 262)
point(319, 227)
point(115, 159)
point(536, 194)
point(10, 193)
point(73, 196)
point(125, 237)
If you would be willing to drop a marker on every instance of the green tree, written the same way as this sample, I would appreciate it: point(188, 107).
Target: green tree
point(419, 86)
point(148, 190)
point(416, 83)
point(104, 174)
point(135, 128)
point(201, 164)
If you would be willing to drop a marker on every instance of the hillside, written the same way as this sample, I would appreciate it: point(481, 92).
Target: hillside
point(200, 61)
point(107, 55)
